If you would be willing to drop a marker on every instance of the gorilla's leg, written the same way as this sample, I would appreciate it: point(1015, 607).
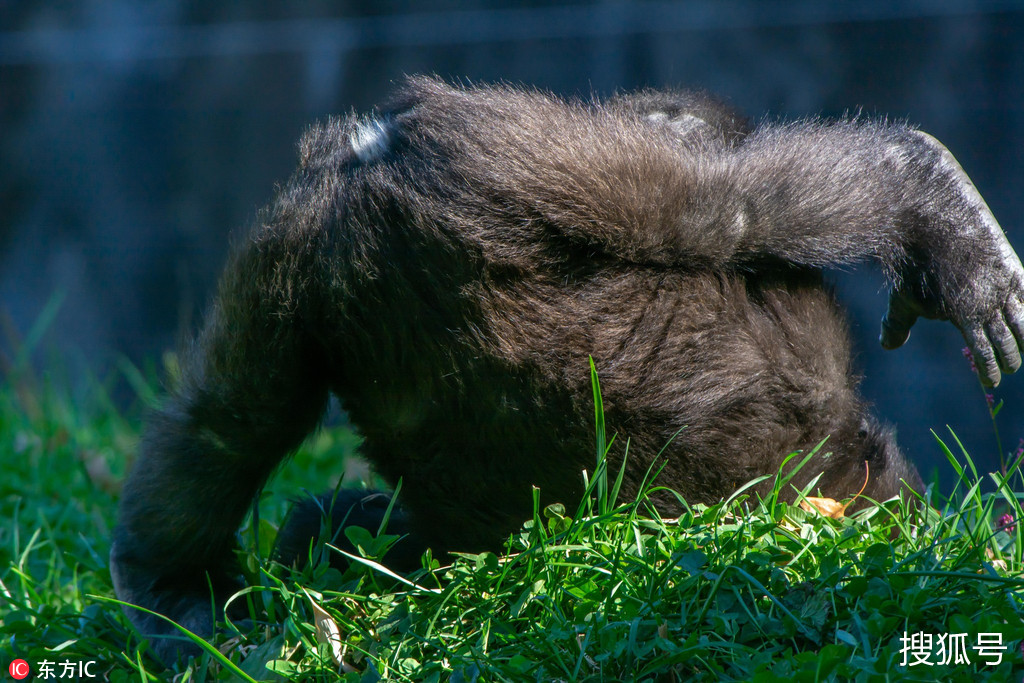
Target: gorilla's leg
point(253, 387)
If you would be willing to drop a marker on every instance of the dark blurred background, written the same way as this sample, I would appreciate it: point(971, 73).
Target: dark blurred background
point(136, 137)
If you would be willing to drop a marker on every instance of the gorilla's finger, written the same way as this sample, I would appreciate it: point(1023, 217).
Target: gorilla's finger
point(1014, 316)
point(1005, 346)
point(984, 356)
point(897, 322)
point(892, 337)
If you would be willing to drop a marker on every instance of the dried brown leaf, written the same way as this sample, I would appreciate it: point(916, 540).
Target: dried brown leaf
point(825, 506)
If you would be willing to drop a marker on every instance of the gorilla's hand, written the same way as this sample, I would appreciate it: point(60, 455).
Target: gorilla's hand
point(968, 274)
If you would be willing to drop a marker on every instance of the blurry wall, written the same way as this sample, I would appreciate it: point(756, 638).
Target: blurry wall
point(136, 137)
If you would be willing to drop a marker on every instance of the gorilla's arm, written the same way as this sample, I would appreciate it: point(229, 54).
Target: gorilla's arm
point(810, 193)
point(832, 194)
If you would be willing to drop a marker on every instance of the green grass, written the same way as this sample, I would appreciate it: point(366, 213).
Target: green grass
point(746, 589)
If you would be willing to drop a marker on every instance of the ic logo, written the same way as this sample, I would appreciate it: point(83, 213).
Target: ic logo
point(19, 669)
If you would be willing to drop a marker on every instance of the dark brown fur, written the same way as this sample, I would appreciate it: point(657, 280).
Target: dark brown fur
point(449, 273)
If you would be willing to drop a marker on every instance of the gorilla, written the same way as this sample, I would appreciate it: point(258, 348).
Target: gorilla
point(448, 265)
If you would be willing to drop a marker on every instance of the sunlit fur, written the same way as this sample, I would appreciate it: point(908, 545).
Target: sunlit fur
point(449, 265)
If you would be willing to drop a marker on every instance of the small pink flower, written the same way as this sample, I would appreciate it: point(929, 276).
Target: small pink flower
point(1006, 523)
point(990, 400)
point(970, 358)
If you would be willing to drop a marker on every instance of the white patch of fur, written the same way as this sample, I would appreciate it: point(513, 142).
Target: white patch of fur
point(371, 139)
point(895, 155)
point(740, 225)
point(682, 125)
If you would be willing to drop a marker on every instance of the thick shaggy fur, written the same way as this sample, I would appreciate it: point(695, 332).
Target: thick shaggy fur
point(448, 265)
